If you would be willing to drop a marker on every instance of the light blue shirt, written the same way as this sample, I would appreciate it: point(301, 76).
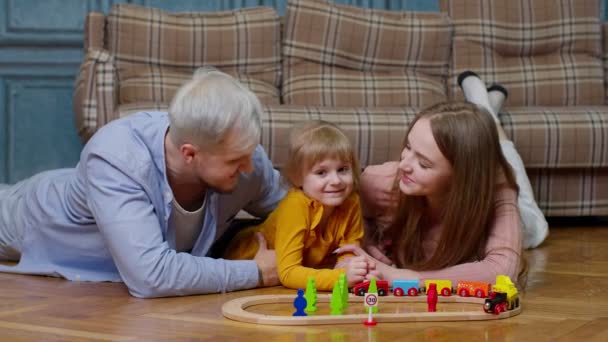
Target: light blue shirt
point(107, 219)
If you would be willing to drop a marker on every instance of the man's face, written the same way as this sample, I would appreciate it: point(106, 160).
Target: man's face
point(220, 167)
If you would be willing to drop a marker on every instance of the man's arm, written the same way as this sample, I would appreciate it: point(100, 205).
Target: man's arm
point(128, 221)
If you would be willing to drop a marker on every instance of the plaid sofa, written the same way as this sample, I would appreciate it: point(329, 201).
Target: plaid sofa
point(370, 71)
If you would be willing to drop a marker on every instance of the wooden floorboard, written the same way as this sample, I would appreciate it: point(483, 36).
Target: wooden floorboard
point(566, 299)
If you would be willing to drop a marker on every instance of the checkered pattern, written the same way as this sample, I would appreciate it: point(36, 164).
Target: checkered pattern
point(559, 137)
point(336, 55)
point(546, 52)
point(168, 46)
point(571, 192)
point(605, 58)
point(94, 31)
point(153, 83)
point(95, 95)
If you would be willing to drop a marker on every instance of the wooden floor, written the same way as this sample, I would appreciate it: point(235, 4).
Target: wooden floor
point(566, 299)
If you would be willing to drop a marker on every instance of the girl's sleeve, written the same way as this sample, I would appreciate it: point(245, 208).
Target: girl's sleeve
point(293, 226)
point(353, 227)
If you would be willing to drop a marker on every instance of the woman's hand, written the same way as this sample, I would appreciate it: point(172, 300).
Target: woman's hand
point(378, 253)
point(380, 269)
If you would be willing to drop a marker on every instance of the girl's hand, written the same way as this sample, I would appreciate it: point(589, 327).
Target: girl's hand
point(356, 270)
point(376, 268)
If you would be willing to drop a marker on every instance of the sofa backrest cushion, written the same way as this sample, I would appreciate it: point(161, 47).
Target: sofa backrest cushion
point(156, 51)
point(545, 52)
point(605, 58)
point(338, 55)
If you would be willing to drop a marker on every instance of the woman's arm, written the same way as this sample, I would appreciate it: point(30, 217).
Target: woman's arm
point(503, 250)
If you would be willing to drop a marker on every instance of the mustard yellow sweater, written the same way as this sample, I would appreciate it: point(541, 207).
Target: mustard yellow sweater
point(303, 248)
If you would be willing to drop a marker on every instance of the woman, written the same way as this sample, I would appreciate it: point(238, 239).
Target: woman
point(457, 215)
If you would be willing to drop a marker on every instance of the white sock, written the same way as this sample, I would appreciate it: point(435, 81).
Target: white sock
point(535, 225)
point(475, 91)
point(497, 94)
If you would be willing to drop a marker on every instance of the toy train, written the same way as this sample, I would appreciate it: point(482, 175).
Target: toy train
point(500, 297)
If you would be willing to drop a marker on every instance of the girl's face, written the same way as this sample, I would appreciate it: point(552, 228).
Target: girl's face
point(329, 181)
point(423, 169)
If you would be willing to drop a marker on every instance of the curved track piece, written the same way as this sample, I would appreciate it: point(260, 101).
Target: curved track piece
point(236, 309)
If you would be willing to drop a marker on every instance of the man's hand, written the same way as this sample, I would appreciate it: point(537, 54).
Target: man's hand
point(266, 259)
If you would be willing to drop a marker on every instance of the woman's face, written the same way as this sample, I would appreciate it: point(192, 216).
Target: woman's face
point(423, 169)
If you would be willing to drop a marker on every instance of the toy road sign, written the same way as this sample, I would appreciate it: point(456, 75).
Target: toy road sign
point(371, 299)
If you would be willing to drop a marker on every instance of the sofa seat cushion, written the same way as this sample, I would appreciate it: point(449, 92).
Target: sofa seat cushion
point(145, 41)
point(559, 137)
point(337, 54)
point(545, 52)
point(376, 133)
point(151, 83)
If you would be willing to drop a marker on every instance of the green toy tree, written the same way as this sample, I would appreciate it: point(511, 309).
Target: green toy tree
point(336, 305)
point(373, 288)
point(311, 296)
point(344, 290)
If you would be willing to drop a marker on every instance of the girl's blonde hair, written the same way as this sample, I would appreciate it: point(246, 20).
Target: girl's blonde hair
point(467, 137)
point(313, 141)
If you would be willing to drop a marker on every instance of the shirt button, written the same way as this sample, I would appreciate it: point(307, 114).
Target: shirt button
point(167, 196)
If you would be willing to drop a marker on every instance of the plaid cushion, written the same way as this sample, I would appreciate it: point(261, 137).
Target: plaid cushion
point(240, 42)
point(152, 83)
point(338, 55)
point(571, 192)
point(605, 58)
point(559, 137)
point(95, 95)
point(546, 52)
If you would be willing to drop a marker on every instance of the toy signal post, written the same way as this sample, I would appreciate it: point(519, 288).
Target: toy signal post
point(371, 300)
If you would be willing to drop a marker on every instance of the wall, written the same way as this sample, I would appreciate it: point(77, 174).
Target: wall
point(40, 53)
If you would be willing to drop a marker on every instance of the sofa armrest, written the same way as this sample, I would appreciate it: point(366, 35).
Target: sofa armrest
point(95, 93)
point(94, 31)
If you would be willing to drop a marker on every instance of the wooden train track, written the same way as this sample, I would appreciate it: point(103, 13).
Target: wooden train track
point(236, 309)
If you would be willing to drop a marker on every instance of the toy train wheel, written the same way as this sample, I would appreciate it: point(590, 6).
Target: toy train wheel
point(412, 292)
point(479, 294)
point(446, 292)
point(463, 293)
point(381, 292)
point(517, 303)
point(398, 292)
point(497, 309)
point(361, 292)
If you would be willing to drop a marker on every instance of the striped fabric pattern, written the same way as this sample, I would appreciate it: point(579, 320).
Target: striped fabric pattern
point(546, 52)
point(338, 55)
point(95, 92)
point(570, 192)
point(605, 59)
point(559, 137)
point(153, 83)
point(170, 46)
point(94, 31)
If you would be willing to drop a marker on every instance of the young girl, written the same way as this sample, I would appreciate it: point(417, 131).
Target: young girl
point(457, 215)
point(320, 213)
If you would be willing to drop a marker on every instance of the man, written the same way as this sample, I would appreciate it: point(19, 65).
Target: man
point(150, 195)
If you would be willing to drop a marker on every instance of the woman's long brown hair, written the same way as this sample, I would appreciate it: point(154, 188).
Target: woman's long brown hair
point(468, 138)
